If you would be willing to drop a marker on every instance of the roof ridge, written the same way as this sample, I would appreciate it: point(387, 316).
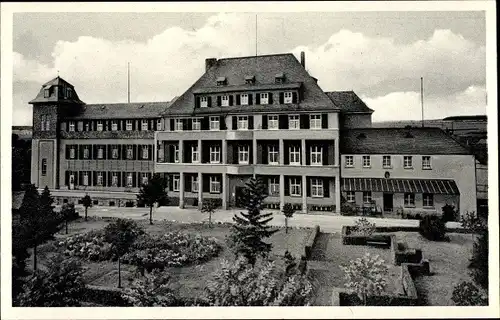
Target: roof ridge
point(258, 56)
point(121, 103)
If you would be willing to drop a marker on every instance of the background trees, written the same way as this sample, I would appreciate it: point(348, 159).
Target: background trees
point(153, 192)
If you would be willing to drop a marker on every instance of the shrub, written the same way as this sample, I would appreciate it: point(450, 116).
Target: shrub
point(433, 228)
point(89, 246)
point(152, 290)
point(479, 260)
point(364, 227)
point(467, 294)
point(449, 213)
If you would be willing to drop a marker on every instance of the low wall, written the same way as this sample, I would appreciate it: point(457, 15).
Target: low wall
point(310, 242)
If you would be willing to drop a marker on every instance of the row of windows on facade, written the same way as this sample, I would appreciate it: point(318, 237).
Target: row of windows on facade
point(409, 198)
point(116, 152)
point(67, 92)
point(245, 122)
point(107, 179)
point(111, 125)
point(247, 99)
point(315, 154)
point(250, 79)
point(387, 162)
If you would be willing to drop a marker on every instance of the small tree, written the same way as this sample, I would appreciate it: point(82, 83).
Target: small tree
point(366, 276)
point(121, 234)
point(87, 202)
point(68, 213)
point(61, 286)
point(19, 256)
point(433, 228)
point(209, 206)
point(251, 228)
point(150, 290)
point(467, 294)
point(364, 227)
point(153, 192)
point(288, 211)
point(449, 213)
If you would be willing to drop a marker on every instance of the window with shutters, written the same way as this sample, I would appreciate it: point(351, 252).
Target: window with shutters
point(203, 102)
point(214, 123)
point(242, 123)
point(99, 125)
point(128, 125)
point(195, 154)
point(367, 197)
point(130, 152)
point(214, 184)
point(114, 125)
point(243, 154)
point(272, 122)
point(274, 186)
point(316, 155)
point(100, 152)
point(317, 188)
point(367, 162)
point(273, 155)
point(194, 183)
point(351, 196)
point(87, 126)
point(409, 199)
point(426, 163)
point(264, 98)
point(179, 125)
point(145, 152)
point(386, 162)
point(158, 124)
point(315, 121)
point(99, 178)
point(72, 152)
point(144, 125)
point(196, 124)
point(214, 154)
point(177, 154)
point(114, 179)
point(294, 155)
point(428, 199)
point(294, 121)
point(244, 99)
point(114, 152)
point(225, 101)
point(349, 161)
point(408, 162)
point(44, 167)
point(72, 126)
point(288, 97)
point(144, 178)
point(85, 178)
point(295, 187)
point(86, 152)
point(129, 179)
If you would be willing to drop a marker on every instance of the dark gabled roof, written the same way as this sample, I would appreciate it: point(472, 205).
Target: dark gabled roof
point(61, 83)
point(425, 141)
point(466, 118)
point(246, 87)
point(264, 68)
point(139, 110)
point(348, 102)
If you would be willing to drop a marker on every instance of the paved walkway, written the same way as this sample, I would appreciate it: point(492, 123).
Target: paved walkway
point(327, 223)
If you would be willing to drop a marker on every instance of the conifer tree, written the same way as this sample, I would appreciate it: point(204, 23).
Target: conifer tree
point(250, 229)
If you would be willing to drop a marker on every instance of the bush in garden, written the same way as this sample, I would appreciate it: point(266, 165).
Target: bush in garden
point(89, 246)
point(479, 260)
point(467, 294)
point(364, 227)
point(241, 284)
point(449, 213)
point(433, 228)
point(150, 290)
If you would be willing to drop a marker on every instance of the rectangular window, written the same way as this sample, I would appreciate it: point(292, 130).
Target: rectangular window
point(288, 97)
point(242, 123)
point(129, 179)
point(349, 161)
point(44, 167)
point(214, 123)
point(144, 178)
point(72, 126)
point(426, 162)
point(130, 153)
point(128, 125)
point(272, 122)
point(179, 125)
point(214, 154)
point(80, 126)
point(86, 152)
point(99, 125)
point(42, 122)
point(195, 154)
point(158, 124)
point(315, 121)
point(214, 184)
point(100, 152)
point(293, 122)
point(351, 196)
point(274, 187)
point(203, 102)
point(386, 162)
point(99, 178)
point(177, 154)
point(87, 126)
point(85, 178)
point(367, 162)
point(196, 124)
point(408, 162)
point(409, 199)
point(114, 179)
point(46, 93)
point(47, 123)
point(144, 125)
point(273, 154)
point(225, 101)
point(316, 156)
point(244, 99)
point(194, 183)
point(295, 188)
point(72, 152)
point(145, 152)
point(264, 98)
point(367, 197)
point(295, 155)
point(428, 200)
point(114, 125)
point(243, 154)
point(176, 185)
point(317, 188)
point(114, 152)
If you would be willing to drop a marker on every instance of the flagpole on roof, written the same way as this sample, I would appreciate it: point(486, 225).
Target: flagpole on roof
point(128, 82)
point(422, 98)
point(255, 35)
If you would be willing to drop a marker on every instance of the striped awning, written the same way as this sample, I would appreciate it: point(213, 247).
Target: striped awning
point(436, 186)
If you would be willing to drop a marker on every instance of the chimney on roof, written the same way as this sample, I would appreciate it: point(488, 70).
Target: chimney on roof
point(209, 63)
point(303, 59)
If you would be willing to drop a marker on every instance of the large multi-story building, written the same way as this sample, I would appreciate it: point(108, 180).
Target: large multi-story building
point(259, 116)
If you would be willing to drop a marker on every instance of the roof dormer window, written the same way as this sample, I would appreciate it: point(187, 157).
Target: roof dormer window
point(279, 77)
point(250, 79)
point(46, 93)
point(221, 81)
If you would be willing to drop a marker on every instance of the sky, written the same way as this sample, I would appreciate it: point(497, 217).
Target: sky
point(379, 55)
